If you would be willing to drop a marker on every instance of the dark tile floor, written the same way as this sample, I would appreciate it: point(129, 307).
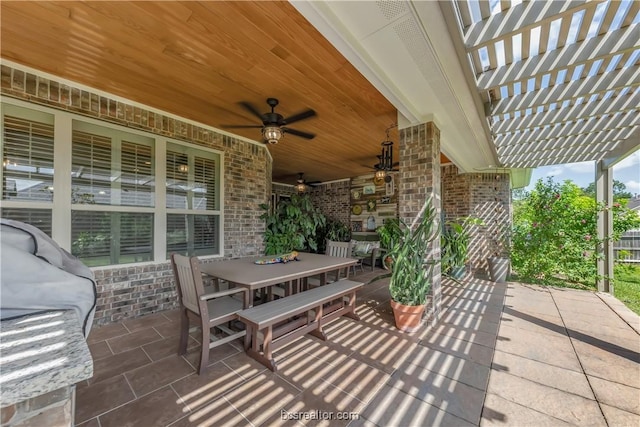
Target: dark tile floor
point(502, 354)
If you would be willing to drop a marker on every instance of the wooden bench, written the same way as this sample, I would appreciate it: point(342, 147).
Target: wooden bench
point(278, 323)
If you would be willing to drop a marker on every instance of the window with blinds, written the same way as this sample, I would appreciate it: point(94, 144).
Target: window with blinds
point(191, 178)
point(27, 159)
point(112, 187)
point(192, 182)
point(40, 218)
point(111, 168)
point(192, 234)
point(104, 238)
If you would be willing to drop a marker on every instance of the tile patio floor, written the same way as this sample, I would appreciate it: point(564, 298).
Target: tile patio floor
point(503, 354)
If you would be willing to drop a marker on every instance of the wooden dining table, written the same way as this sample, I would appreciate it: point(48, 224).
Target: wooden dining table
point(246, 273)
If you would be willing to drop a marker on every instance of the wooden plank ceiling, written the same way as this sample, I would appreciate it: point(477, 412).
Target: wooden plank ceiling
point(199, 59)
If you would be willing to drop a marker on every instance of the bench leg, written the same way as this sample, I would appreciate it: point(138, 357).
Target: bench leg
point(351, 313)
point(266, 358)
point(318, 332)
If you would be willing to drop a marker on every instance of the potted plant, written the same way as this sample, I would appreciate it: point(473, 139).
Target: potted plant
point(412, 272)
point(499, 261)
point(455, 245)
point(388, 233)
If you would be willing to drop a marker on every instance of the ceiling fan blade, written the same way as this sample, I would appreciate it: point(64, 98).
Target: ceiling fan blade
point(298, 133)
point(300, 116)
point(240, 126)
point(253, 110)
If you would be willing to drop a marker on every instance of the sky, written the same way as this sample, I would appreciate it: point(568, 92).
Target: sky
point(626, 171)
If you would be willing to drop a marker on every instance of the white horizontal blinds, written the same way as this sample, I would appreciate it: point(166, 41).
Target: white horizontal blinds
point(177, 180)
point(111, 169)
point(192, 186)
point(40, 218)
point(178, 227)
point(206, 229)
point(91, 168)
point(136, 179)
point(104, 238)
point(204, 177)
point(27, 158)
point(91, 237)
point(193, 234)
point(136, 237)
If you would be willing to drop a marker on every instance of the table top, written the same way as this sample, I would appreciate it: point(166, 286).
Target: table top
point(243, 271)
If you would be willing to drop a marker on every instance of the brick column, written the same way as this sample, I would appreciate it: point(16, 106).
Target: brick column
point(419, 179)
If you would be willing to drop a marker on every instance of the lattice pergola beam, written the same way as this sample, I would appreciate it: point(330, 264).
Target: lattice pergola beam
point(571, 113)
point(519, 18)
point(567, 154)
point(601, 47)
point(588, 86)
point(554, 160)
point(584, 142)
point(593, 124)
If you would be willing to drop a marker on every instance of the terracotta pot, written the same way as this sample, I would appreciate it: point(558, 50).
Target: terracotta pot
point(407, 317)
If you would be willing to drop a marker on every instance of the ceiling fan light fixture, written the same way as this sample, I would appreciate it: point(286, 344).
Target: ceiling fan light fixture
point(301, 187)
point(380, 174)
point(272, 134)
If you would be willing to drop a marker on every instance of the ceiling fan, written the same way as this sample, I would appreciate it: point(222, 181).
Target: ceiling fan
point(274, 125)
point(302, 184)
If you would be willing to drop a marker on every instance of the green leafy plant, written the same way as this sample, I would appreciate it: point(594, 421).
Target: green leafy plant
point(333, 230)
point(412, 271)
point(554, 236)
point(292, 225)
point(389, 233)
point(455, 242)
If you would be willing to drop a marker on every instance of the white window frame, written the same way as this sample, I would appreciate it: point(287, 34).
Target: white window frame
point(61, 206)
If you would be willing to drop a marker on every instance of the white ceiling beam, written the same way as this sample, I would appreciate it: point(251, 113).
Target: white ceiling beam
point(572, 90)
point(580, 127)
point(523, 16)
point(601, 47)
point(583, 142)
point(568, 114)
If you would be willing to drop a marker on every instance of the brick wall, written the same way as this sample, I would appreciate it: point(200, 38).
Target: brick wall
point(140, 289)
point(483, 195)
point(419, 180)
point(333, 200)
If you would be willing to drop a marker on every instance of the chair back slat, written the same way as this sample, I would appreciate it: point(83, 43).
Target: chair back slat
point(338, 249)
point(189, 281)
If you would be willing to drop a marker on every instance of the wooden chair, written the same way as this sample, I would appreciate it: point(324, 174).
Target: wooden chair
point(214, 309)
point(339, 249)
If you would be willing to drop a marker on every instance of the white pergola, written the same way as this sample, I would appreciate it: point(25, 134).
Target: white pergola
point(560, 84)
point(511, 84)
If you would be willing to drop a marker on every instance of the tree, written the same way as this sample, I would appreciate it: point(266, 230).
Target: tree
point(619, 191)
point(554, 233)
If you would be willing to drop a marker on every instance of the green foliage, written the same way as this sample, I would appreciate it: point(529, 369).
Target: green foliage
point(293, 225)
point(411, 274)
point(554, 233)
point(389, 232)
point(333, 230)
point(455, 242)
point(627, 285)
point(619, 191)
